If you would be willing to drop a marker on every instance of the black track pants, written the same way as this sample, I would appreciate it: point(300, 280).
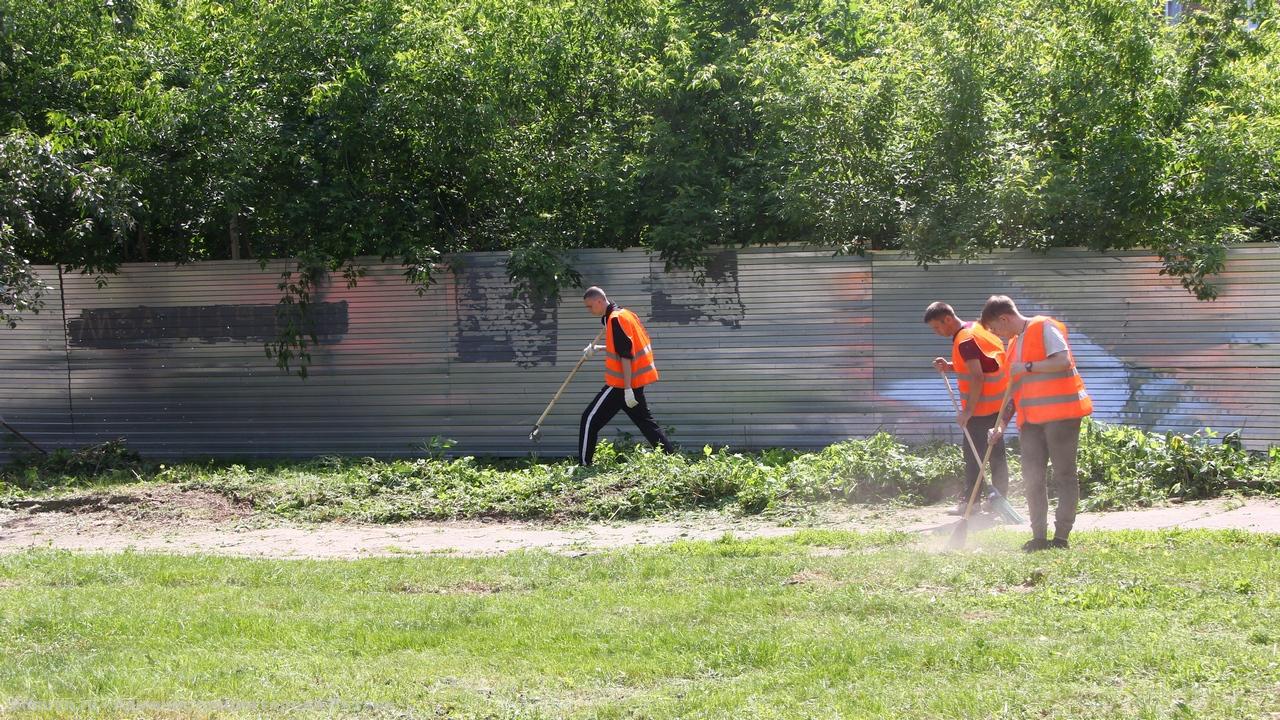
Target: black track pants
point(998, 472)
point(601, 410)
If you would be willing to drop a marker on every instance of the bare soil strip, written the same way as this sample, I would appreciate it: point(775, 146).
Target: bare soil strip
point(170, 520)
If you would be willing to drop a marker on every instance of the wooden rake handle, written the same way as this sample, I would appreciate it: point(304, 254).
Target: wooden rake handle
point(972, 445)
point(565, 384)
point(982, 468)
point(22, 437)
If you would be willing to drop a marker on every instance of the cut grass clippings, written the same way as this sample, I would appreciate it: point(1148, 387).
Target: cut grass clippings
point(1124, 625)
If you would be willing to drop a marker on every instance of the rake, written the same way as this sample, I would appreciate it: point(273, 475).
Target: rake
point(998, 501)
point(536, 434)
point(961, 532)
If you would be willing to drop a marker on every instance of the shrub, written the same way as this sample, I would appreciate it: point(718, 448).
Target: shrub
point(1122, 466)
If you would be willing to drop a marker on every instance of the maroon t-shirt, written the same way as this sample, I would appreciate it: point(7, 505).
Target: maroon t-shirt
point(969, 350)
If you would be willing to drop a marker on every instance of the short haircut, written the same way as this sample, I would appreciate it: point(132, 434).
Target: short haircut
point(937, 311)
point(594, 292)
point(997, 306)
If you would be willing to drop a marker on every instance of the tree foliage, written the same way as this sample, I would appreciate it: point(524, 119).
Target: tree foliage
point(329, 130)
point(55, 204)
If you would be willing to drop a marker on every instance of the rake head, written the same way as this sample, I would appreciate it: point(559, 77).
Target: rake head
point(536, 435)
point(1004, 509)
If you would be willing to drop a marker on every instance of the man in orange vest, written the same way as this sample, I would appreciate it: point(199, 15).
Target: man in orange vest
point(977, 359)
point(628, 368)
point(1050, 399)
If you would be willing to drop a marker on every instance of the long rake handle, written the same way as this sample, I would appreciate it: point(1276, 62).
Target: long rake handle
point(22, 437)
point(565, 384)
point(987, 455)
point(982, 470)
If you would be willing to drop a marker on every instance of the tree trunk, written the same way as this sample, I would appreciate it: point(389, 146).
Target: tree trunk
point(235, 233)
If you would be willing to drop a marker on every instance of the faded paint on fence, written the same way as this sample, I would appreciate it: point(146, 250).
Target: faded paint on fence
point(771, 347)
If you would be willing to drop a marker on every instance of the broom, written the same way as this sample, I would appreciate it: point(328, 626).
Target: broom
point(961, 532)
point(998, 501)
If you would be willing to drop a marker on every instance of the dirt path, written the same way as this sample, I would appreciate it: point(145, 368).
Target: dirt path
point(166, 519)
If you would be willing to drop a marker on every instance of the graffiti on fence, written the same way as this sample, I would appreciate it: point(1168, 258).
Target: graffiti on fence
point(142, 326)
point(495, 324)
point(684, 297)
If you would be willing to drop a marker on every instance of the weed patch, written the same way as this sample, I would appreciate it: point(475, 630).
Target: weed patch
point(1122, 466)
point(625, 483)
point(1119, 467)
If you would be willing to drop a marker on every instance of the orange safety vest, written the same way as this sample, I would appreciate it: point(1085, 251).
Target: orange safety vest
point(993, 383)
point(643, 370)
point(1046, 397)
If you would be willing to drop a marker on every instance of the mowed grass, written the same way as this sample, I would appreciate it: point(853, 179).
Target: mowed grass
point(820, 624)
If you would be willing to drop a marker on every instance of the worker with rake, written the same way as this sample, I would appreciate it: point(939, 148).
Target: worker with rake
point(977, 359)
point(628, 369)
point(1050, 400)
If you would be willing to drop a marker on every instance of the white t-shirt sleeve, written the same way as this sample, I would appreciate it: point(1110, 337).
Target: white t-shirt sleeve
point(1054, 342)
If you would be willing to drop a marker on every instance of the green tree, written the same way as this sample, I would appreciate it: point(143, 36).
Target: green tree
point(54, 204)
point(407, 130)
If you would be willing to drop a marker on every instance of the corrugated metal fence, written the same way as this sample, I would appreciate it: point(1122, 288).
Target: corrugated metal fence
point(778, 347)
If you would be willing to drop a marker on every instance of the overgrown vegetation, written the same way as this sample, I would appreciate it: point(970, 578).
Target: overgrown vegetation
point(1144, 625)
point(624, 483)
point(1120, 467)
point(410, 129)
point(1123, 467)
point(636, 483)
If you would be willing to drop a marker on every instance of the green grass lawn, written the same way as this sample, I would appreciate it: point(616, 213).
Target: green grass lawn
point(819, 624)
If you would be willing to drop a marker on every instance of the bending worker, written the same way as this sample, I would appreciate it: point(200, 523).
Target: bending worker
point(628, 368)
point(1050, 399)
point(977, 359)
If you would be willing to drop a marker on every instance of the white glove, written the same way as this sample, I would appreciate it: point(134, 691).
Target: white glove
point(629, 396)
point(591, 349)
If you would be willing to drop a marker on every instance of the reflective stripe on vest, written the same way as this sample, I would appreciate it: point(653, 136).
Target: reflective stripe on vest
point(647, 349)
point(635, 375)
point(1046, 397)
point(994, 383)
point(1045, 376)
point(643, 369)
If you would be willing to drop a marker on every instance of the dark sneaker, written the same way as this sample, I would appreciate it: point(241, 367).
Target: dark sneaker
point(1035, 545)
point(1060, 543)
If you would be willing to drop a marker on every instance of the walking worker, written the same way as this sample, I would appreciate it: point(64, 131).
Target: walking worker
point(1050, 400)
point(977, 359)
point(628, 369)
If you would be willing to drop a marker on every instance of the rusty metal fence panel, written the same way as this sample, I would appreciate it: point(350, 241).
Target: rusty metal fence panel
point(773, 347)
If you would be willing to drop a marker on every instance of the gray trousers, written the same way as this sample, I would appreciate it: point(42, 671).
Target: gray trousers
point(1055, 442)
